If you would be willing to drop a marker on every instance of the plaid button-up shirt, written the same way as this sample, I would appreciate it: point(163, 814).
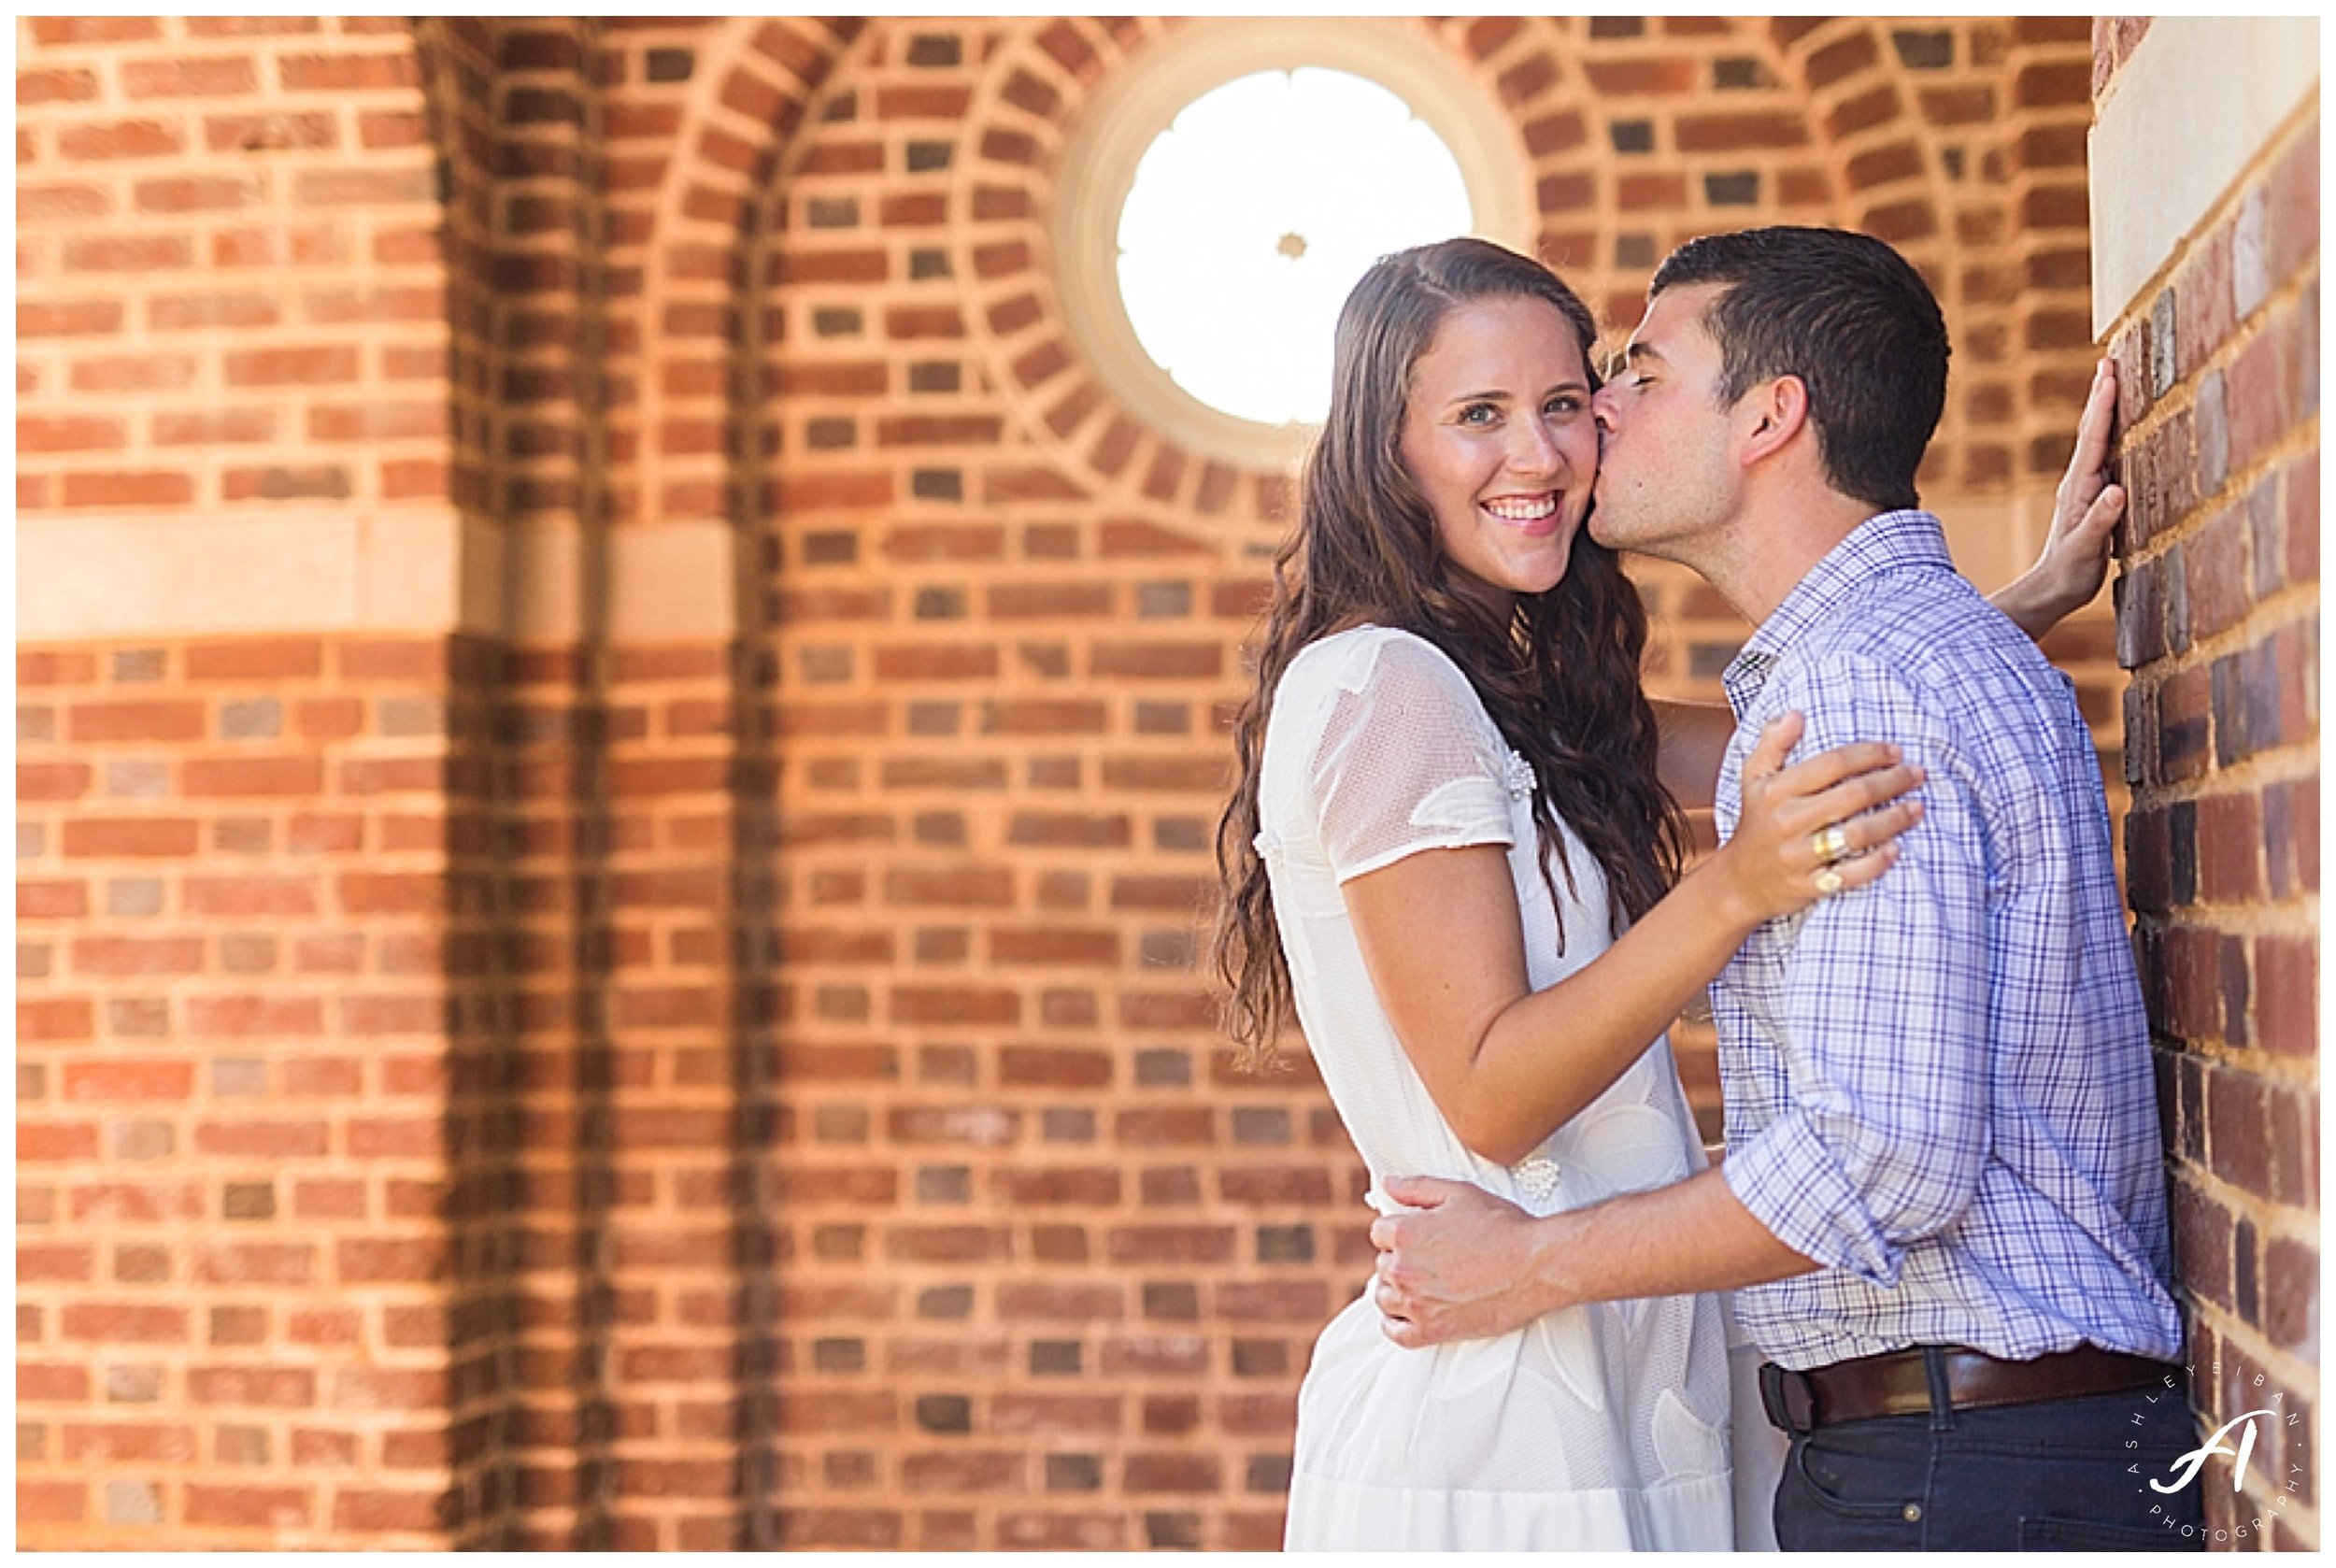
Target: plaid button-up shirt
point(1939, 1085)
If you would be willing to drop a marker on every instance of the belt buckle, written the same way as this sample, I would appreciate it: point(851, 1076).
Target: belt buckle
point(1787, 1399)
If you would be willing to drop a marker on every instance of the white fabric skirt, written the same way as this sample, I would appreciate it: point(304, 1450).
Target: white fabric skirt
point(1522, 1443)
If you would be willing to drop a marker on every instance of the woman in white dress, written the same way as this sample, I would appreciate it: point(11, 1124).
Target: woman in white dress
point(1447, 722)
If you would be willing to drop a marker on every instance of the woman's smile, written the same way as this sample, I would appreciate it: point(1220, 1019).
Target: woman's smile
point(1534, 515)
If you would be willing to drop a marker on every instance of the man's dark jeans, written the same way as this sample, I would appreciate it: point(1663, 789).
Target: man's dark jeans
point(2056, 1475)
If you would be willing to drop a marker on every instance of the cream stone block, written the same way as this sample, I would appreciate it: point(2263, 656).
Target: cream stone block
point(103, 577)
point(667, 582)
point(408, 570)
point(1993, 538)
point(2195, 102)
point(675, 580)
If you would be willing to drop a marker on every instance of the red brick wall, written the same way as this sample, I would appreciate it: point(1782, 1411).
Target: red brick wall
point(231, 1025)
point(231, 1108)
point(755, 1089)
point(227, 266)
point(2219, 620)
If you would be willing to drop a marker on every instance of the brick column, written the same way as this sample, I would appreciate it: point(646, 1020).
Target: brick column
point(2214, 320)
point(233, 753)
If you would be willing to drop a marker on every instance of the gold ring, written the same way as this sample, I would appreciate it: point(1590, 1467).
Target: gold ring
point(1829, 882)
point(1830, 844)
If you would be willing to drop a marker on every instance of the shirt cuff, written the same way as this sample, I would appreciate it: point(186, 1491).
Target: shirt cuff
point(1791, 1182)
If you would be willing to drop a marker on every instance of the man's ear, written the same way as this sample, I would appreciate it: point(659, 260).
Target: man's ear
point(1773, 413)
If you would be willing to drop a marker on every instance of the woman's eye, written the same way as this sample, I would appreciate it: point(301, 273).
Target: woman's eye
point(1479, 413)
point(1565, 402)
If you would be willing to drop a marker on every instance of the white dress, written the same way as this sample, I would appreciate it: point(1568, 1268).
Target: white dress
point(1601, 1427)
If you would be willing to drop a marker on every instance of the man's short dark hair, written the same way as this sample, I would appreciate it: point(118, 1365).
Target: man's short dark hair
point(1849, 315)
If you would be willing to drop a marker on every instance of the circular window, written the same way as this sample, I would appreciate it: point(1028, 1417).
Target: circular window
point(1254, 213)
point(1225, 192)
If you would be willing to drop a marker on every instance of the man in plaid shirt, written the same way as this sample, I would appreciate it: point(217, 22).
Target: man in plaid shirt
point(1943, 1210)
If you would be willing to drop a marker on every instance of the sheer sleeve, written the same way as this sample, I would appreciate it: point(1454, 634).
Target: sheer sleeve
point(1408, 760)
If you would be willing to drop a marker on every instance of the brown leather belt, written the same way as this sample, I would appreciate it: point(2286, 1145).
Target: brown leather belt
point(1900, 1383)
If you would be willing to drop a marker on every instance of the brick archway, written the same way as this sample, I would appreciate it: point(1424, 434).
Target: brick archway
point(729, 150)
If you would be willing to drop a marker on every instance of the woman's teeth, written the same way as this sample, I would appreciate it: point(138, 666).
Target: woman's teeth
point(1521, 510)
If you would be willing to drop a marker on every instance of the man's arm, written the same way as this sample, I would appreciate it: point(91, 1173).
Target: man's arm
point(2068, 575)
point(1464, 1264)
point(1885, 1017)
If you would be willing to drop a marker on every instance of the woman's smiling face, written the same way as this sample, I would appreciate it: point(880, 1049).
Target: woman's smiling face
point(1499, 440)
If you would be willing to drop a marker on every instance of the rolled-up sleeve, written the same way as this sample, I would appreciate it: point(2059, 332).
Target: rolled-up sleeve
point(1886, 1007)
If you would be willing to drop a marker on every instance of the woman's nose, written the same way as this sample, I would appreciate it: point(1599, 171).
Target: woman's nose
point(1536, 448)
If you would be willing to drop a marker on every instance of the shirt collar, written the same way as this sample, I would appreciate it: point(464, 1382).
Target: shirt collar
point(1885, 542)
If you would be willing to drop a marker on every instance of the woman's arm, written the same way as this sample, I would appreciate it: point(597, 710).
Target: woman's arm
point(1443, 943)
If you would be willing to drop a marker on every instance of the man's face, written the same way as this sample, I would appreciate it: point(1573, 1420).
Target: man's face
point(1666, 474)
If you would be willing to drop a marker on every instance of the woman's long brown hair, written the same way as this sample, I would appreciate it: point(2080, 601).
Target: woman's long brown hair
point(1560, 676)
